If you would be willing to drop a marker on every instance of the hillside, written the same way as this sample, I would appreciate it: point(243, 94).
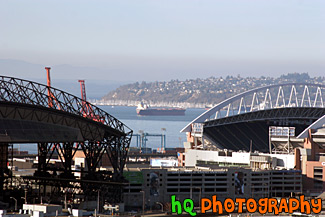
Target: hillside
point(199, 91)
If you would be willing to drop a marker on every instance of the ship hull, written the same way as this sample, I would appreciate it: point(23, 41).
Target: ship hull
point(161, 112)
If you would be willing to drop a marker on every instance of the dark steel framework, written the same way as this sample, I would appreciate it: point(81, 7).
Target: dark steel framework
point(57, 121)
point(244, 118)
point(239, 131)
point(305, 115)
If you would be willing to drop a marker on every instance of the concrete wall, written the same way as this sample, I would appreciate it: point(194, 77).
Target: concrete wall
point(22, 164)
point(48, 210)
point(310, 165)
point(286, 161)
point(193, 155)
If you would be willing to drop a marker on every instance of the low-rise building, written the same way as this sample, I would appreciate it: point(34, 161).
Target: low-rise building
point(311, 161)
point(159, 184)
point(193, 157)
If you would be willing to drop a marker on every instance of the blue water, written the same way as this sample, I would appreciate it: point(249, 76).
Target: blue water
point(154, 124)
point(148, 124)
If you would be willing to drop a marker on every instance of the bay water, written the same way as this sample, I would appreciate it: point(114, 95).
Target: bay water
point(147, 124)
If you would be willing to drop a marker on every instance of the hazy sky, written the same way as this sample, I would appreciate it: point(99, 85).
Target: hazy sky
point(167, 39)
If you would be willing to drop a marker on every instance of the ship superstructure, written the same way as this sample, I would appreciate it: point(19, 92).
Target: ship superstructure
point(145, 109)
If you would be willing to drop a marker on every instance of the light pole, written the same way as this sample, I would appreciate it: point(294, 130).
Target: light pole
point(162, 206)
point(150, 204)
point(65, 198)
point(25, 198)
point(141, 132)
point(98, 201)
point(142, 202)
point(163, 138)
point(15, 202)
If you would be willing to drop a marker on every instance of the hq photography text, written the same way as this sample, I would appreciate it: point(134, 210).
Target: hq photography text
point(263, 205)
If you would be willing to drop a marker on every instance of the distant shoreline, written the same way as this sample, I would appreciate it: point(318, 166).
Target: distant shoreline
point(135, 103)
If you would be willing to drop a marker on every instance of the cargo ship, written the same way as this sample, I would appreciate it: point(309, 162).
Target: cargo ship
point(144, 109)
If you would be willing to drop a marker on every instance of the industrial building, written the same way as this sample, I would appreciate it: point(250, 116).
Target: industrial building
point(311, 160)
point(193, 157)
point(305, 153)
point(158, 184)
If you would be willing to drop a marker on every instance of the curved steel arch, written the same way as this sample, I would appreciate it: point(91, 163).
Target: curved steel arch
point(248, 101)
point(32, 93)
point(238, 132)
point(28, 104)
point(320, 123)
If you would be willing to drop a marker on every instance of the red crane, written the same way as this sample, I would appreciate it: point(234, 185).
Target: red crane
point(86, 109)
point(49, 94)
point(83, 89)
point(51, 97)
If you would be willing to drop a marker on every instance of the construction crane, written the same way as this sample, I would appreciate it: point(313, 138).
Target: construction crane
point(86, 108)
point(142, 140)
point(50, 95)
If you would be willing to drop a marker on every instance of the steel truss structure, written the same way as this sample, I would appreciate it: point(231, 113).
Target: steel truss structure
point(58, 122)
point(285, 115)
point(252, 112)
